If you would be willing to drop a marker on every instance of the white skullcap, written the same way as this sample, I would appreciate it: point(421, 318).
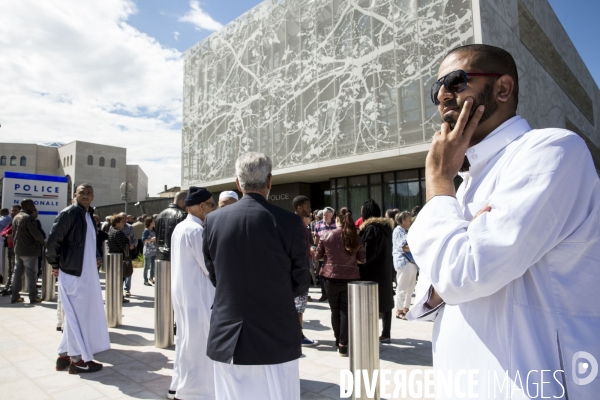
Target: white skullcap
point(228, 193)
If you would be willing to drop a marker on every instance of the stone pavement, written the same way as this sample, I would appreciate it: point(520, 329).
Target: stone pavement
point(135, 369)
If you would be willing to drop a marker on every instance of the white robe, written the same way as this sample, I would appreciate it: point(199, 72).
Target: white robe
point(192, 294)
point(522, 282)
point(85, 331)
point(251, 382)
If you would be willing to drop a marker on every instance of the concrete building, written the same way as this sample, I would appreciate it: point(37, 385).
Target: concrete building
point(336, 92)
point(102, 166)
point(169, 192)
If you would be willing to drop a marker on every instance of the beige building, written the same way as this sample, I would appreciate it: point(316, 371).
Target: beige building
point(104, 167)
point(337, 92)
point(169, 192)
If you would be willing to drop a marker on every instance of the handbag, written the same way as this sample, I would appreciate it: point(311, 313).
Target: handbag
point(127, 264)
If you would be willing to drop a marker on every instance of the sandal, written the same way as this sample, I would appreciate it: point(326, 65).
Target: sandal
point(404, 312)
point(400, 314)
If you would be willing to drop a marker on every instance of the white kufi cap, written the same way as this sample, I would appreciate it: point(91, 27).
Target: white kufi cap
point(228, 193)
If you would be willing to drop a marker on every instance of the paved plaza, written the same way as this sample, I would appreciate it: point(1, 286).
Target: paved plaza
point(135, 369)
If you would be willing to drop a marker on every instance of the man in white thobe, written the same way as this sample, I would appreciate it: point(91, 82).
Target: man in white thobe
point(514, 254)
point(193, 295)
point(71, 250)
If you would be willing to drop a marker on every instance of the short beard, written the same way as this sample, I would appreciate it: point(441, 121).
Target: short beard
point(485, 97)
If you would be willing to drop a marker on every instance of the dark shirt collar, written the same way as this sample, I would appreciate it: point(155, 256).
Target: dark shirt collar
point(254, 196)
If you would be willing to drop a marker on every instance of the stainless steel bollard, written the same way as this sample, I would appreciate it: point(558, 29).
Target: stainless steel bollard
point(363, 303)
point(114, 290)
point(104, 257)
point(48, 283)
point(163, 308)
point(5, 266)
point(24, 281)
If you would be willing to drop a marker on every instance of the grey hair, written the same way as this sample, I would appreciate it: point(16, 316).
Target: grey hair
point(253, 170)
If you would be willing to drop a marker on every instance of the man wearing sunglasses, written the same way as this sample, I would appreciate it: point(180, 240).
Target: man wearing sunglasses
point(513, 255)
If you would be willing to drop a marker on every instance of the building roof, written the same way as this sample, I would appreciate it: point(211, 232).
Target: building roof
point(174, 189)
point(53, 144)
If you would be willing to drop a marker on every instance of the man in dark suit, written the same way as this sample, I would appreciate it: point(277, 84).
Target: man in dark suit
point(257, 257)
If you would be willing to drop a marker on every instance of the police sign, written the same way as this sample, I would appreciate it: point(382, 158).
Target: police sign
point(49, 194)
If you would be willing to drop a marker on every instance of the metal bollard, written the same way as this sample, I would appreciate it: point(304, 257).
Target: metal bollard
point(48, 283)
point(5, 266)
point(104, 257)
point(163, 308)
point(24, 281)
point(363, 315)
point(114, 290)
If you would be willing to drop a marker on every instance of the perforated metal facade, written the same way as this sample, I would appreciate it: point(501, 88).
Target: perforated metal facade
point(312, 80)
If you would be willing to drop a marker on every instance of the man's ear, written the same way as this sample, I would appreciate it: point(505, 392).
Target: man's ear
point(270, 183)
point(237, 183)
point(505, 85)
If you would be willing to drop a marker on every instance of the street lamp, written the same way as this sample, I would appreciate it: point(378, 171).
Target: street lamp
point(126, 189)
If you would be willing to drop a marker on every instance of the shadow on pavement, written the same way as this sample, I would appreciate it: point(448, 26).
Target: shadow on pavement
point(411, 352)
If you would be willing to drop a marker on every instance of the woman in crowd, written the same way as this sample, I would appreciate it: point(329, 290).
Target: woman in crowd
point(149, 240)
point(403, 264)
point(117, 241)
point(376, 234)
point(341, 250)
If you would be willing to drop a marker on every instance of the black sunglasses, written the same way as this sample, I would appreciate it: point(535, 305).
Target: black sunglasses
point(454, 82)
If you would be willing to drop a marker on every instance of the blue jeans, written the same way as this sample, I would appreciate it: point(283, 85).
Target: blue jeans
point(149, 265)
point(127, 284)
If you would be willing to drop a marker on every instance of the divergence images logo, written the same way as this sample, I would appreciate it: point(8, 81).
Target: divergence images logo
point(580, 367)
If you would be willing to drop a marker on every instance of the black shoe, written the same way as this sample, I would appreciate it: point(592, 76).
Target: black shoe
point(59, 329)
point(6, 292)
point(147, 283)
point(343, 350)
point(36, 300)
point(84, 367)
point(386, 340)
point(19, 300)
point(323, 298)
point(125, 300)
point(62, 363)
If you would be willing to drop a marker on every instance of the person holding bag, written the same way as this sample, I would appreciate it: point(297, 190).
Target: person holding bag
point(118, 243)
point(341, 250)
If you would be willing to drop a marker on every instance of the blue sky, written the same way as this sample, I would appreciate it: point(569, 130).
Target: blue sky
point(111, 71)
point(161, 18)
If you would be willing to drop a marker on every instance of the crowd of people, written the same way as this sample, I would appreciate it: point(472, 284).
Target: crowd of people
point(333, 250)
point(510, 289)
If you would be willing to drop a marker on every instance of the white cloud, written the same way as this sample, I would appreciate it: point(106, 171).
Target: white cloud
point(74, 70)
point(200, 18)
point(176, 35)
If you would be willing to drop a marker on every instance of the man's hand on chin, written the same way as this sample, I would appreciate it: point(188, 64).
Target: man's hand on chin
point(447, 153)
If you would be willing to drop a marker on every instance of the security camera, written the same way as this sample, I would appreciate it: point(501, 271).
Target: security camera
point(137, 204)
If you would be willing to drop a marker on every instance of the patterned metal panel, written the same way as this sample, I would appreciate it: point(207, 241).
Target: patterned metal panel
point(313, 80)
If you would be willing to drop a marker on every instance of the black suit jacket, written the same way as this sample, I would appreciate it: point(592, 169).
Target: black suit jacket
point(257, 257)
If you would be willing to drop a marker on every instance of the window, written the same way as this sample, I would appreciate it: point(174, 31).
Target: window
point(58, 163)
point(71, 161)
point(13, 161)
point(113, 163)
point(65, 161)
point(3, 160)
point(90, 160)
point(23, 161)
point(101, 162)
